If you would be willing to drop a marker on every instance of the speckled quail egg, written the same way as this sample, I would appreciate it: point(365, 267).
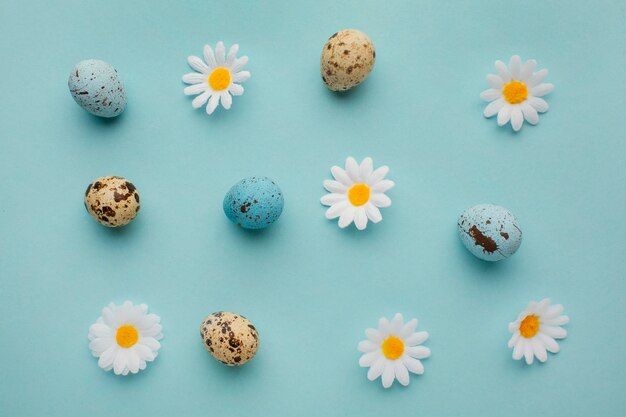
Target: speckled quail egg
point(97, 87)
point(230, 338)
point(254, 203)
point(112, 201)
point(490, 232)
point(347, 59)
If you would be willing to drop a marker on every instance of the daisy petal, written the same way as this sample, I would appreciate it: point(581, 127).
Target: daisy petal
point(341, 176)
point(332, 198)
point(195, 89)
point(408, 328)
point(554, 331)
point(209, 57)
point(542, 89)
point(377, 369)
point(360, 218)
point(388, 375)
point(382, 186)
point(553, 311)
point(194, 78)
point(336, 210)
point(232, 54)
point(495, 81)
point(538, 104)
point(416, 339)
point(373, 213)
point(550, 344)
point(529, 112)
point(537, 77)
point(119, 363)
point(504, 115)
point(513, 340)
point(335, 186)
point(241, 76)
point(235, 89)
point(378, 175)
point(418, 352)
point(100, 330)
point(402, 374)
point(197, 64)
point(491, 94)
point(367, 360)
point(352, 169)
point(395, 327)
point(133, 361)
point(226, 99)
point(374, 336)
point(200, 100)
point(529, 354)
point(517, 118)
point(539, 350)
point(239, 64)
point(99, 345)
point(515, 66)
point(380, 200)
point(213, 102)
point(527, 70)
point(366, 168)
point(366, 346)
point(154, 331)
point(494, 107)
point(518, 349)
point(412, 364)
point(220, 54)
point(150, 342)
point(503, 71)
point(346, 217)
point(107, 357)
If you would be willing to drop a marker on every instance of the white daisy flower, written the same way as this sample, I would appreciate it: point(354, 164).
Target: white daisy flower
point(357, 193)
point(535, 329)
point(515, 93)
point(217, 78)
point(125, 337)
point(393, 350)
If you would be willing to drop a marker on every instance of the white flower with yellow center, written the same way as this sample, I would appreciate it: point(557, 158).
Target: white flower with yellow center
point(125, 337)
point(217, 79)
point(357, 193)
point(392, 351)
point(535, 331)
point(515, 93)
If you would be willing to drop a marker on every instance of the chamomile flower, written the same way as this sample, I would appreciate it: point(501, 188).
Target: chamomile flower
point(218, 77)
point(535, 331)
point(515, 93)
point(125, 337)
point(392, 351)
point(357, 193)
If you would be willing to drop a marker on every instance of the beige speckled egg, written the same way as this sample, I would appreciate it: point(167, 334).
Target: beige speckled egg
point(112, 201)
point(347, 59)
point(230, 338)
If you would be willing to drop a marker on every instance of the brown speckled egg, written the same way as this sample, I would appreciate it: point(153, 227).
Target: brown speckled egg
point(230, 338)
point(112, 201)
point(347, 59)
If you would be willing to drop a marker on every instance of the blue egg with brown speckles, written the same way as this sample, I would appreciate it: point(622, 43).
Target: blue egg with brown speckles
point(254, 203)
point(97, 87)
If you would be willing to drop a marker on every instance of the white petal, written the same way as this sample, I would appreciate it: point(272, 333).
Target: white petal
point(197, 64)
point(235, 89)
point(150, 342)
point(494, 107)
point(539, 350)
point(366, 168)
point(503, 71)
point(529, 353)
point(491, 94)
point(346, 217)
point(382, 186)
point(195, 89)
point(378, 175)
point(352, 169)
point(513, 340)
point(542, 89)
point(373, 213)
point(360, 218)
point(374, 336)
point(495, 81)
point(239, 64)
point(369, 359)
point(527, 70)
point(119, 364)
point(504, 115)
point(515, 66)
point(226, 99)
point(418, 352)
point(100, 330)
point(542, 306)
point(209, 57)
point(402, 374)
point(538, 104)
point(333, 198)
point(513, 326)
point(153, 331)
point(553, 311)
point(517, 118)
point(518, 349)
point(408, 328)
point(335, 186)
point(550, 344)
point(341, 176)
point(395, 327)
point(220, 54)
point(367, 346)
point(537, 77)
point(529, 112)
point(200, 100)
point(412, 364)
point(384, 327)
point(144, 352)
point(416, 339)
point(380, 200)
point(109, 317)
point(99, 345)
point(336, 209)
point(194, 78)
point(388, 375)
point(232, 54)
point(377, 369)
point(213, 102)
point(133, 361)
point(553, 331)
point(241, 76)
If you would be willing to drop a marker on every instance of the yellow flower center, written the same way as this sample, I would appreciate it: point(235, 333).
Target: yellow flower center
point(529, 326)
point(359, 194)
point(393, 348)
point(127, 335)
point(219, 79)
point(515, 92)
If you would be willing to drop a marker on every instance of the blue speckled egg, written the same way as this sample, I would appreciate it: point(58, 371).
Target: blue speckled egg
point(97, 87)
point(490, 232)
point(254, 203)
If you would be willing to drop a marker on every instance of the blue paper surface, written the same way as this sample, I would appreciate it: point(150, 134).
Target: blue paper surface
point(310, 288)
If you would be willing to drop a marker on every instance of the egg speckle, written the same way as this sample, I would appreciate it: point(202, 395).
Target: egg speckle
point(347, 59)
point(97, 87)
point(230, 338)
point(254, 203)
point(112, 201)
point(489, 232)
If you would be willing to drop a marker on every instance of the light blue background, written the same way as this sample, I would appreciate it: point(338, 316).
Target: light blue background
point(310, 287)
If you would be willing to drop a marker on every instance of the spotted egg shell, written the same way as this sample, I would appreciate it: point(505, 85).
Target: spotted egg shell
point(97, 87)
point(254, 203)
point(489, 232)
point(347, 59)
point(230, 338)
point(112, 201)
